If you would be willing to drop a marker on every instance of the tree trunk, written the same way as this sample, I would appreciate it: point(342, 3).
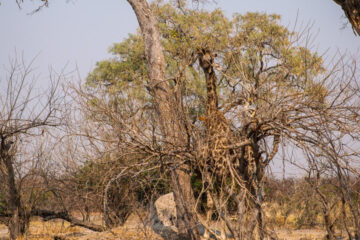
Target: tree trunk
point(171, 125)
point(329, 226)
point(19, 221)
point(351, 9)
point(18, 224)
point(186, 218)
point(250, 206)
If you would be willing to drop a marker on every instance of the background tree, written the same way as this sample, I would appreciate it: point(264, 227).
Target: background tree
point(27, 122)
point(24, 115)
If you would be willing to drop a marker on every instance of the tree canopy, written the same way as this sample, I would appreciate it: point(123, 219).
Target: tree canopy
point(271, 90)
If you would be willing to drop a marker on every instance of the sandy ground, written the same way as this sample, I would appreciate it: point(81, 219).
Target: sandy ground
point(132, 230)
point(39, 230)
point(3, 232)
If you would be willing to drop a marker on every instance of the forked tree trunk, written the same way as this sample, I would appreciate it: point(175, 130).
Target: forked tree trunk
point(18, 224)
point(329, 226)
point(170, 122)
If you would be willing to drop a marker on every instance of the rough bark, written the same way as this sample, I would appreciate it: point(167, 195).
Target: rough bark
point(170, 122)
point(351, 9)
point(19, 220)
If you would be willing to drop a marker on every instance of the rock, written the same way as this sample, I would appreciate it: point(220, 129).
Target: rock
point(166, 210)
point(163, 218)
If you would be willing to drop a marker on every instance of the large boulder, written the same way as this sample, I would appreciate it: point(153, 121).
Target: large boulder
point(163, 217)
point(166, 210)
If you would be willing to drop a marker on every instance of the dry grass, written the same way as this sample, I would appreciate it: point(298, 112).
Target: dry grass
point(132, 230)
point(303, 234)
point(40, 230)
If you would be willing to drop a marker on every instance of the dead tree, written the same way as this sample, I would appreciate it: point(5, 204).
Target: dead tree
point(23, 115)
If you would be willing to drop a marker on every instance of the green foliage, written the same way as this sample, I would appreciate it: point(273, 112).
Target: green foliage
point(251, 49)
point(125, 192)
point(256, 61)
point(126, 69)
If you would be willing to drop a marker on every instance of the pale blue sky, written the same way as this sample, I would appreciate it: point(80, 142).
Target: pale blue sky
point(81, 31)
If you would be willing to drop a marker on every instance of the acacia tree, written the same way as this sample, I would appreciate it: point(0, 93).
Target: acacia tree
point(270, 90)
point(157, 72)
